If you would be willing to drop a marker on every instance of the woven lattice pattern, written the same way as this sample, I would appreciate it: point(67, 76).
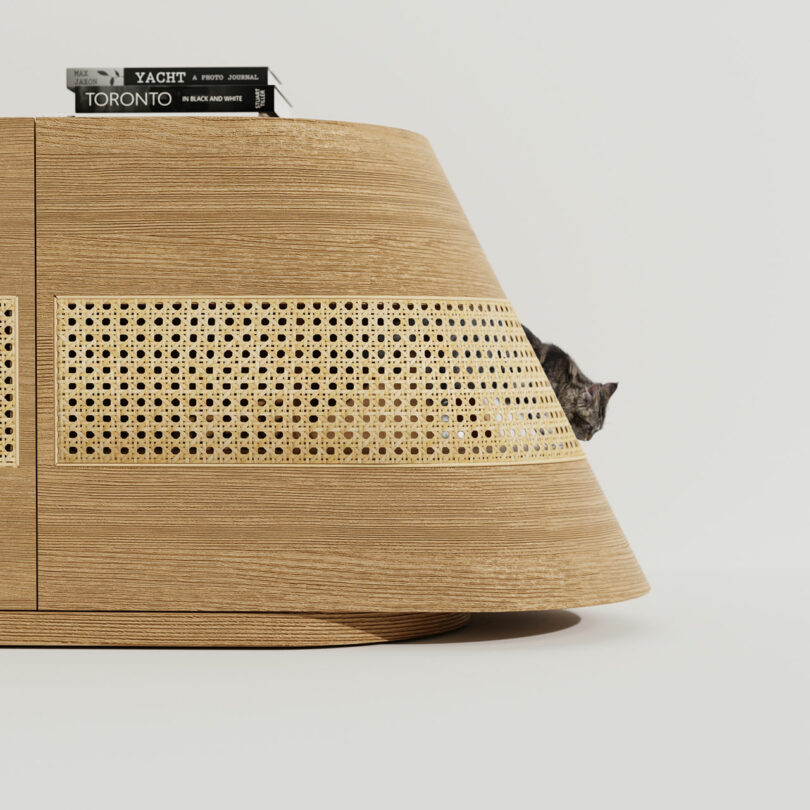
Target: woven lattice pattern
point(264, 381)
point(8, 382)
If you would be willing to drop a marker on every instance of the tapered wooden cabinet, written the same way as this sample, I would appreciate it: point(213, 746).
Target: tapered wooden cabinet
point(261, 387)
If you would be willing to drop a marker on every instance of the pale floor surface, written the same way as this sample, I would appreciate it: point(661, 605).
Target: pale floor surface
point(694, 696)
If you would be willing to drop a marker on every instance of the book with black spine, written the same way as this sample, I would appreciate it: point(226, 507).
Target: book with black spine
point(207, 76)
point(119, 99)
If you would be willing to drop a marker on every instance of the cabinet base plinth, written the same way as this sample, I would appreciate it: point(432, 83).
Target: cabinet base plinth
point(40, 628)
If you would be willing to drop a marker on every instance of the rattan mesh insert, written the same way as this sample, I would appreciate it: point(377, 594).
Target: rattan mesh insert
point(268, 380)
point(8, 382)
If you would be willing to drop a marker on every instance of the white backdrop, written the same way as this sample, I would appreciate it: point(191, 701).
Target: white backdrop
point(638, 174)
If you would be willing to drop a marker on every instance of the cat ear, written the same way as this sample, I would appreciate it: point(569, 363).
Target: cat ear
point(592, 390)
point(610, 389)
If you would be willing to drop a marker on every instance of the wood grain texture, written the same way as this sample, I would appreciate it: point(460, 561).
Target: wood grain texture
point(259, 207)
point(44, 628)
point(18, 483)
point(472, 538)
point(249, 207)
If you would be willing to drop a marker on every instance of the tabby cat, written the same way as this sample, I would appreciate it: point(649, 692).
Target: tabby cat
point(583, 400)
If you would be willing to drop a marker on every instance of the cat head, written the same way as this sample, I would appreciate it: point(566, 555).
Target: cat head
point(588, 413)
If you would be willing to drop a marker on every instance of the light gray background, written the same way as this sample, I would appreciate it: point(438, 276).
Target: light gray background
point(638, 174)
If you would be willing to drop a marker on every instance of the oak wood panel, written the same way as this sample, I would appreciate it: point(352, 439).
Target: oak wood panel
point(17, 484)
point(509, 537)
point(67, 629)
point(264, 208)
point(249, 206)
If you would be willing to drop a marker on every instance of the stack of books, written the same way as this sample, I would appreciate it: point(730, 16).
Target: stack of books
point(177, 90)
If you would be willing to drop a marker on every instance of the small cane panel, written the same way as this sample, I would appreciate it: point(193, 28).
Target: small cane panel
point(8, 382)
point(278, 380)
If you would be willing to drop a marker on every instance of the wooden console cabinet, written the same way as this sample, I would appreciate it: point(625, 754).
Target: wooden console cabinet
point(261, 387)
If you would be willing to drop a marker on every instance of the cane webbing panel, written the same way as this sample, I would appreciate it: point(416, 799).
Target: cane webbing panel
point(8, 382)
point(268, 380)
